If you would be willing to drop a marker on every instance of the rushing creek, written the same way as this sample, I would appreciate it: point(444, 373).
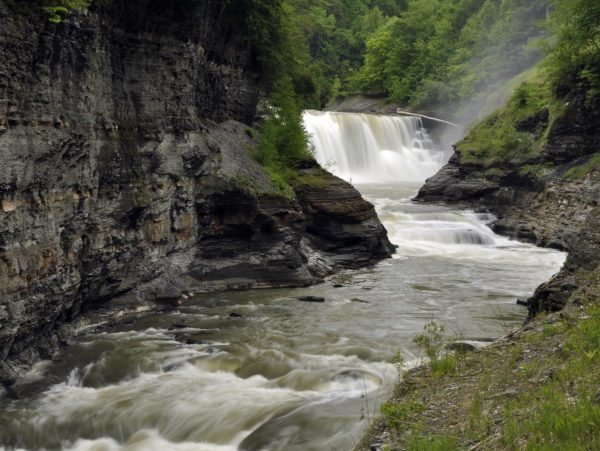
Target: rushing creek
point(259, 370)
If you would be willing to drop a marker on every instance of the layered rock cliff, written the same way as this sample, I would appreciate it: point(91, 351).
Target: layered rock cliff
point(125, 168)
point(545, 189)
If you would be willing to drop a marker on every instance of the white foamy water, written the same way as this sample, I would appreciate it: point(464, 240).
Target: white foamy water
point(288, 375)
point(367, 148)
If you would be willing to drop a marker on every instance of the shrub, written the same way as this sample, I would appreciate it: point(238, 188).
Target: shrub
point(432, 342)
point(283, 143)
point(58, 9)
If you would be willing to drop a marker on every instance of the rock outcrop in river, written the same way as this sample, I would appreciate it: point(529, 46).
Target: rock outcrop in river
point(548, 196)
point(126, 169)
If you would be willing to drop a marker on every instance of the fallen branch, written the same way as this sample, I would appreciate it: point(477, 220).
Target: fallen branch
point(399, 111)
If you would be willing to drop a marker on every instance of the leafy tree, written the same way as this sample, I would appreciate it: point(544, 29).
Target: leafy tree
point(59, 8)
point(576, 50)
point(283, 142)
point(440, 51)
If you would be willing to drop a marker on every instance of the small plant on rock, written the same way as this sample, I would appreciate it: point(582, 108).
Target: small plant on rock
point(432, 341)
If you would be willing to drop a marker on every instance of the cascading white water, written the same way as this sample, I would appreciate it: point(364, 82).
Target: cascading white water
point(367, 148)
point(371, 150)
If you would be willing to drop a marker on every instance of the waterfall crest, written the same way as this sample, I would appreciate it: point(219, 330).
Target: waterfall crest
point(369, 148)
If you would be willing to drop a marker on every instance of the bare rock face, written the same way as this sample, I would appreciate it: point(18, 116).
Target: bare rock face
point(553, 210)
point(124, 168)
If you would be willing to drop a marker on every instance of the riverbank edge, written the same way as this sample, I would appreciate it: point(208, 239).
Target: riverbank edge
point(498, 397)
point(547, 197)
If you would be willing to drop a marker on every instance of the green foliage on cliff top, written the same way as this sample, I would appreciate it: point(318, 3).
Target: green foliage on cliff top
point(58, 9)
point(436, 52)
point(503, 139)
point(283, 144)
point(439, 51)
point(575, 53)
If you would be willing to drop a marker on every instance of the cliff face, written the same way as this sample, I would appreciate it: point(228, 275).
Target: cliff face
point(549, 198)
point(124, 166)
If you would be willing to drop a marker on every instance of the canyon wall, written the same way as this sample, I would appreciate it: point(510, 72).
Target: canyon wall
point(125, 168)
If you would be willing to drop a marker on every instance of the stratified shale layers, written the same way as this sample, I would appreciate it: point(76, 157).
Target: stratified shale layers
point(125, 168)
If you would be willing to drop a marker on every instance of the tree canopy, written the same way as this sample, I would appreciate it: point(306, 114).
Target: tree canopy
point(415, 52)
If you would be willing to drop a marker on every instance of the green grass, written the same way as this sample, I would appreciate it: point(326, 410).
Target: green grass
point(581, 171)
point(407, 418)
point(499, 141)
point(539, 392)
point(563, 412)
point(495, 142)
point(432, 342)
point(402, 416)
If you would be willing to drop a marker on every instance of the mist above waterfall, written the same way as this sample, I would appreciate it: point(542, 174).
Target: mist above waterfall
point(369, 148)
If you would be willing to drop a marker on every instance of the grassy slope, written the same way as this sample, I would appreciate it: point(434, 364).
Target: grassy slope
point(513, 138)
point(538, 389)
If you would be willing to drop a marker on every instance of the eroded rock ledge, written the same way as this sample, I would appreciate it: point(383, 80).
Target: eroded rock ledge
point(126, 170)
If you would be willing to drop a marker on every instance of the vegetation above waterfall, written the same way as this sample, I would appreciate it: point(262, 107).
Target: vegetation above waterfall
point(437, 52)
point(517, 135)
point(422, 52)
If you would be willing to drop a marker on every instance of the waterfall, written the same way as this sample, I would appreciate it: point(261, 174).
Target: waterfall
point(369, 148)
point(389, 157)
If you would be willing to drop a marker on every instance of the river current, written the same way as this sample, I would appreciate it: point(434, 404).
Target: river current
point(260, 370)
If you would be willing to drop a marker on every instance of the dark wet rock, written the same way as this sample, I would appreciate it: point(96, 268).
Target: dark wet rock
point(360, 301)
point(27, 387)
point(135, 183)
point(8, 378)
point(172, 367)
point(167, 293)
point(535, 124)
point(522, 302)
point(342, 225)
point(311, 299)
point(337, 285)
point(235, 315)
